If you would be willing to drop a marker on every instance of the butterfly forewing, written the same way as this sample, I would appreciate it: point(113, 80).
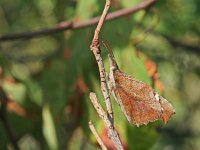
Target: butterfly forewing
point(136, 99)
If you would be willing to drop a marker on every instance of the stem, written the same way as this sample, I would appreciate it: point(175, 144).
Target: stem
point(67, 25)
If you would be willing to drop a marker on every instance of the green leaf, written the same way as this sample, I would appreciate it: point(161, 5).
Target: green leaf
point(20, 71)
point(90, 5)
point(54, 85)
point(49, 129)
point(128, 3)
point(34, 92)
point(79, 141)
point(17, 91)
point(141, 138)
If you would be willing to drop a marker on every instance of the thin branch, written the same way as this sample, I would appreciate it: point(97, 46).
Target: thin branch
point(10, 132)
point(107, 117)
point(66, 25)
point(92, 128)
point(112, 133)
point(102, 114)
point(95, 47)
point(4, 119)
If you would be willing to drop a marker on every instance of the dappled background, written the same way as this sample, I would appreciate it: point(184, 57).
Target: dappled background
point(47, 79)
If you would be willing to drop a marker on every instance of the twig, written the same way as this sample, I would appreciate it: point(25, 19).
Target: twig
point(106, 117)
point(95, 47)
point(10, 132)
point(112, 133)
point(92, 128)
point(66, 25)
point(4, 119)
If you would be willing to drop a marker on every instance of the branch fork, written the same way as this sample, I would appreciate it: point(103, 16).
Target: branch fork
point(107, 116)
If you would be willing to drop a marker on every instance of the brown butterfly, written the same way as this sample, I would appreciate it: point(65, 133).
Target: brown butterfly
point(138, 101)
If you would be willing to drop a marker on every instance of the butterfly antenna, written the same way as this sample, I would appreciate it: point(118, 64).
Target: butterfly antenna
point(113, 63)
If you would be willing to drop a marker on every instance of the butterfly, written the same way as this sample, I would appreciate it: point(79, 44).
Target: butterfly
point(137, 100)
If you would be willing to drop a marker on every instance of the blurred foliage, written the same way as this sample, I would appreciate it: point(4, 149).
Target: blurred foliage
point(48, 79)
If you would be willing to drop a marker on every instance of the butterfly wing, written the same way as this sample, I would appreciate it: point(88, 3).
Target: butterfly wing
point(137, 100)
point(137, 111)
